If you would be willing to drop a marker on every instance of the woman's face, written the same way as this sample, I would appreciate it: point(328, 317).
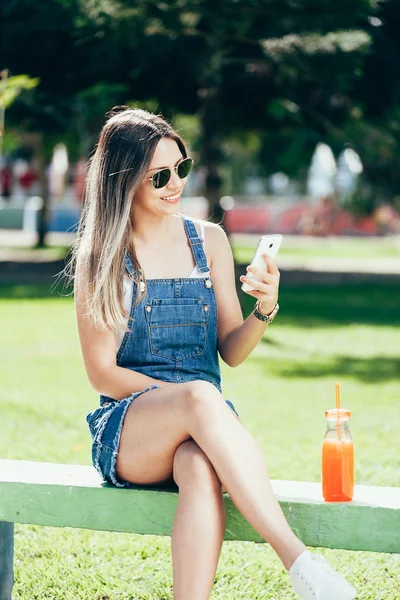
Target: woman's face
point(165, 200)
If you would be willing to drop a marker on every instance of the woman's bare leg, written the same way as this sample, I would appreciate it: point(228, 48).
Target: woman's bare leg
point(160, 420)
point(199, 524)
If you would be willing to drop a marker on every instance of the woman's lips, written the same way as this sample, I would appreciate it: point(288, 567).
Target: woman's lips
point(172, 199)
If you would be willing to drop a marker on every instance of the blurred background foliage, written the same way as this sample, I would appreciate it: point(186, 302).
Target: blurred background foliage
point(253, 83)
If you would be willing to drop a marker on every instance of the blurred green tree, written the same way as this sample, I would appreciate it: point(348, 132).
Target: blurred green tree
point(373, 126)
point(10, 88)
point(285, 70)
point(275, 67)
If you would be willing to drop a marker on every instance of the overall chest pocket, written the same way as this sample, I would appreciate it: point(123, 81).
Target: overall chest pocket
point(177, 327)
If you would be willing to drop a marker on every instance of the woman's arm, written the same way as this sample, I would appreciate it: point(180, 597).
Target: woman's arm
point(99, 355)
point(238, 338)
point(118, 382)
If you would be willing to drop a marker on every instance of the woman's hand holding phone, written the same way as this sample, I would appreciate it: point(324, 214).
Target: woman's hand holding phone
point(262, 278)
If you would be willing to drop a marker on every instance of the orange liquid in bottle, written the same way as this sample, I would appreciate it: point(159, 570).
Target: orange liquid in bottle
point(337, 470)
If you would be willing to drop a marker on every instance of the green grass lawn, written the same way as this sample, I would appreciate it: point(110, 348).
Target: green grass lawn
point(303, 247)
point(321, 335)
point(339, 247)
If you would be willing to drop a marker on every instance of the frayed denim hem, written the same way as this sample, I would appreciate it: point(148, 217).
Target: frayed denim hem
point(100, 450)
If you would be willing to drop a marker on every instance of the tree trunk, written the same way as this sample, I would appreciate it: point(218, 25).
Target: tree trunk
point(35, 141)
point(211, 151)
point(44, 193)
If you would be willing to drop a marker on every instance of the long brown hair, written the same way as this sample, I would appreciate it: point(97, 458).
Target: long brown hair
point(122, 157)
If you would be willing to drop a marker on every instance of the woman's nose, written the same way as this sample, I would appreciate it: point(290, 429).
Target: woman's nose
point(175, 182)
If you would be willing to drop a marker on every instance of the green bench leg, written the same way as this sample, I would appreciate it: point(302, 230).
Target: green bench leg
point(6, 560)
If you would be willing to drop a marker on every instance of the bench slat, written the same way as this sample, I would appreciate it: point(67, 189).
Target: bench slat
point(76, 496)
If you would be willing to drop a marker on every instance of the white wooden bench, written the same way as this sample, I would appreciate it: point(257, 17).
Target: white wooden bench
point(62, 495)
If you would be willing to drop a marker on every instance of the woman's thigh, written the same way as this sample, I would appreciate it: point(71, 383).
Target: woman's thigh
point(156, 423)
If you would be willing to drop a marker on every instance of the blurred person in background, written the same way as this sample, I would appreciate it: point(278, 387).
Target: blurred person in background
point(6, 179)
point(27, 180)
point(79, 180)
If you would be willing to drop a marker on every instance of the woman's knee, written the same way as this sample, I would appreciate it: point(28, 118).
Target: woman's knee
point(191, 466)
point(201, 395)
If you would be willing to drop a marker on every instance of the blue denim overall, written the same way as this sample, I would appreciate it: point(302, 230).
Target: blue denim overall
point(172, 337)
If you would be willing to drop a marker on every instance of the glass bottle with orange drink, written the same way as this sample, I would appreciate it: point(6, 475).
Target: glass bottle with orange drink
point(337, 455)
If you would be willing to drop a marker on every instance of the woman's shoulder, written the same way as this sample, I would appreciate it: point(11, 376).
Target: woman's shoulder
point(213, 229)
point(216, 241)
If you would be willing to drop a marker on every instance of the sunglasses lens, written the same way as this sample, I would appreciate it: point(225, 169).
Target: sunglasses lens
point(185, 167)
point(161, 178)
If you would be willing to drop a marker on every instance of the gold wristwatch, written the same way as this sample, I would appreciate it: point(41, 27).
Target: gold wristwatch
point(265, 318)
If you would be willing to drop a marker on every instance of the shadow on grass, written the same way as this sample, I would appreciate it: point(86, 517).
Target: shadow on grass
point(316, 305)
point(373, 369)
point(311, 306)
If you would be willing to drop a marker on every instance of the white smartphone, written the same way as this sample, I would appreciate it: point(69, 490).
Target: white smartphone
point(268, 244)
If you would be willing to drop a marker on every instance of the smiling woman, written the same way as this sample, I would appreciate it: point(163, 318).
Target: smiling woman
point(155, 309)
point(166, 182)
point(121, 168)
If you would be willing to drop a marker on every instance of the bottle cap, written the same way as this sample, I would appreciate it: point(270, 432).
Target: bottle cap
point(337, 413)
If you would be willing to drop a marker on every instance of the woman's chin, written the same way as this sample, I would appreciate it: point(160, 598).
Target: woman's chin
point(173, 202)
point(169, 207)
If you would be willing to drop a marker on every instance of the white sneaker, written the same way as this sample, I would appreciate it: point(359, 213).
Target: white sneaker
point(314, 579)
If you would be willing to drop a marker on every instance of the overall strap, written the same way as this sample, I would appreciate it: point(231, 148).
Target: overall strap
point(196, 244)
point(132, 273)
point(129, 267)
